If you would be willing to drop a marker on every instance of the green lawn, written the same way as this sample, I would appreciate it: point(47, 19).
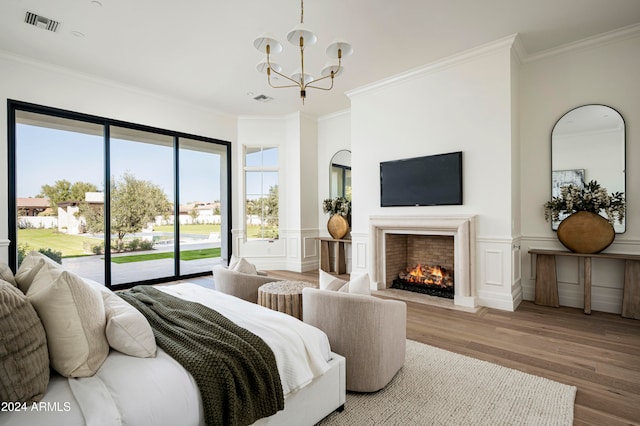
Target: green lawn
point(69, 245)
point(184, 255)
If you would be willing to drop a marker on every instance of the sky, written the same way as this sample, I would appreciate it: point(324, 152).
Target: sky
point(45, 155)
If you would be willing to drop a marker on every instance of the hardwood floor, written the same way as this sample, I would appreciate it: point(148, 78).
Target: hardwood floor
point(597, 353)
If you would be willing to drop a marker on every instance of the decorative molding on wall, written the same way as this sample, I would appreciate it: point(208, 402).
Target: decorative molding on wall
point(465, 56)
point(587, 43)
point(493, 268)
point(309, 247)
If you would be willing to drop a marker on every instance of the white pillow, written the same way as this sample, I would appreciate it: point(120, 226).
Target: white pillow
point(245, 267)
point(29, 268)
point(73, 316)
point(127, 330)
point(359, 285)
point(233, 261)
point(330, 282)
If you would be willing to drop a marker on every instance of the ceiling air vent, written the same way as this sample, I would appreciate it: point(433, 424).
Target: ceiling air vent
point(41, 22)
point(263, 98)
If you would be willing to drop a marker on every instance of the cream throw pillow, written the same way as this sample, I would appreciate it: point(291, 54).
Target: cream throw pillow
point(6, 274)
point(127, 330)
point(30, 267)
point(24, 360)
point(358, 285)
point(73, 316)
point(245, 267)
point(330, 282)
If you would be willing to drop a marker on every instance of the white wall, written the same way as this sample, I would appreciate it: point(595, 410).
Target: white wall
point(464, 103)
point(37, 83)
point(602, 70)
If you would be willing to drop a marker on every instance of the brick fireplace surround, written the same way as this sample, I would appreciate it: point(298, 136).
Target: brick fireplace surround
point(461, 228)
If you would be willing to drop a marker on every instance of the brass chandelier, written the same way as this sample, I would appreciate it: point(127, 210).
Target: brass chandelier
point(301, 36)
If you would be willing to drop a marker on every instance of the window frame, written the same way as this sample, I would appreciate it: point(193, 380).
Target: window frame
point(14, 106)
point(261, 169)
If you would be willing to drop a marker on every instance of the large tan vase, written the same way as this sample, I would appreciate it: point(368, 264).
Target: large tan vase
point(586, 232)
point(338, 226)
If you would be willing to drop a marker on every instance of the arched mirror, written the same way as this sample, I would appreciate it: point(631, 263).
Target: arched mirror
point(340, 174)
point(588, 143)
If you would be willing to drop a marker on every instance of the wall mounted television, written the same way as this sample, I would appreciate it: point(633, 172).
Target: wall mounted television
point(434, 180)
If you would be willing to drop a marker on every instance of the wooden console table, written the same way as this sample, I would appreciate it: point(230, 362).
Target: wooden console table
point(547, 284)
point(339, 265)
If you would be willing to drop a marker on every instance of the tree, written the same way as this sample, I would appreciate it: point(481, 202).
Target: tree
point(193, 213)
point(63, 190)
point(134, 204)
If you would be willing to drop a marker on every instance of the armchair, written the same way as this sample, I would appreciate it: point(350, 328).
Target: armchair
point(368, 331)
point(239, 284)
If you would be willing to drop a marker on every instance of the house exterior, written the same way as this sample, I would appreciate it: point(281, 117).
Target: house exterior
point(494, 102)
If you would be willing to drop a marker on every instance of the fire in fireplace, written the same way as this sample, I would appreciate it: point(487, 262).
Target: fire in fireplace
point(431, 280)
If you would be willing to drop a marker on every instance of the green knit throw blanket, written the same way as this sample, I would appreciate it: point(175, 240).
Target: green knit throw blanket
point(235, 370)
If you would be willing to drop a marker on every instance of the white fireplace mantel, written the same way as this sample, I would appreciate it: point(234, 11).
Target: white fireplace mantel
point(462, 228)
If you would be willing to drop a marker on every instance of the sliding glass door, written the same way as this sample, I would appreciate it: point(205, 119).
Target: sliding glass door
point(203, 177)
point(116, 202)
point(141, 205)
point(59, 174)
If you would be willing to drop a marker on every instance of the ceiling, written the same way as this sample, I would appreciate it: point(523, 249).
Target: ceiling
point(202, 51)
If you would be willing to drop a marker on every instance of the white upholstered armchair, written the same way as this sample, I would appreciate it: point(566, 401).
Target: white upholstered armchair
point(368, 331)
point(239, 284)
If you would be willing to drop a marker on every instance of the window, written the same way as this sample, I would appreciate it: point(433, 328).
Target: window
point(116, 202)
point(261, 193)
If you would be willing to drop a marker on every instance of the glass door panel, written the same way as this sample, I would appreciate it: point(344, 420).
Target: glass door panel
point(203, 204)
point(59, 174)
point(141, 205)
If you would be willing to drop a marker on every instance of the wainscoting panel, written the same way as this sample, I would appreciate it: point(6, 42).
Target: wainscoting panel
point(493, 268)
point(496, 286)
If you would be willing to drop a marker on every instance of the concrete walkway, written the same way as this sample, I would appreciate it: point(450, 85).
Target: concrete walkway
point(92, 267)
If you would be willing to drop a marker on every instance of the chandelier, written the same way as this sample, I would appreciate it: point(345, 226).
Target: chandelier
point(301, 36)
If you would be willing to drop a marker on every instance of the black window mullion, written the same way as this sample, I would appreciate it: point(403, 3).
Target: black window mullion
point(176, 207)
point(107, 205)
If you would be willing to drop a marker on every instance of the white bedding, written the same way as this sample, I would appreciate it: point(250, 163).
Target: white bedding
point(129, 391)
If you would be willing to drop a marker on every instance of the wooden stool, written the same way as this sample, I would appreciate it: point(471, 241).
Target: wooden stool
point(283, 296)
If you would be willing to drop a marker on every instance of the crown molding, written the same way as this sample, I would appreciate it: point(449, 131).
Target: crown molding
point(616, 35)
point(449, 61)
point(11, 57)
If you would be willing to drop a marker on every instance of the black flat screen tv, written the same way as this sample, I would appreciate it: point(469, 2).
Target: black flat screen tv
point(434, 180)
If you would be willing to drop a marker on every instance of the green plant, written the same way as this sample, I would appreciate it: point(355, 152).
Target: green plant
point(56, 256)
point(591, 198)
point(338, 205)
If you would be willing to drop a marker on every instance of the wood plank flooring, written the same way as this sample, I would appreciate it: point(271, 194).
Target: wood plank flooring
point(597, 353)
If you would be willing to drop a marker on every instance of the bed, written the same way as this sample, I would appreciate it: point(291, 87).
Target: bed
point(128, 390)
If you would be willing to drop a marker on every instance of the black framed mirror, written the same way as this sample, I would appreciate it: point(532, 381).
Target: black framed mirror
point(340, 174)
point(589, 143)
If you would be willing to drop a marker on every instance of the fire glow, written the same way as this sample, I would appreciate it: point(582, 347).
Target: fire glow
point(428, 275)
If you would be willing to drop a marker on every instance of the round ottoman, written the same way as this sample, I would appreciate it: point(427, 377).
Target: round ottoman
point(283, 296)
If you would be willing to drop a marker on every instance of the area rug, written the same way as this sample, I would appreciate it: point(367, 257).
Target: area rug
point(437, 387)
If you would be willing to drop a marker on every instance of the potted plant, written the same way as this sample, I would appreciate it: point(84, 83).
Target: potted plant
point(585, 230)
point(339, 222)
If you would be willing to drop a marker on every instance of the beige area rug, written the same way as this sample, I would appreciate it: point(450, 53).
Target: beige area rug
point(437, 387)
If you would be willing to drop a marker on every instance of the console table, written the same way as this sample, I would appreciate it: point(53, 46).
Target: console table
point(546, 292)
point(339, 265)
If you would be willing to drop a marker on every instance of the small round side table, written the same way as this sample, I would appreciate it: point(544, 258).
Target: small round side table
point(283, 296)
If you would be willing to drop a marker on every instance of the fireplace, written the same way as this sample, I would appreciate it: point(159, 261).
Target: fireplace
point(420, 263)
point(401, 242)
